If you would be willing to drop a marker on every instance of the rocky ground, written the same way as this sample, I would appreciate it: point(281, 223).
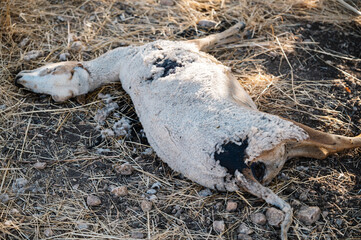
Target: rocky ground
point(84, 169)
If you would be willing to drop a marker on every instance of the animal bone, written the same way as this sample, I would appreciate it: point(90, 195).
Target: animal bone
point(196, 116)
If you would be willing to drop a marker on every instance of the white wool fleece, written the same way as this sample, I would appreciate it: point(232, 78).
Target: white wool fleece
point(189, 110)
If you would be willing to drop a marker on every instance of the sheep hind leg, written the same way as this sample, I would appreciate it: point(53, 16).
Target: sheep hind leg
point(246, 181)
point(320, 144)
point(208, 42)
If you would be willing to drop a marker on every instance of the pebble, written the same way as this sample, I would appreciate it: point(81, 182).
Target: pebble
point(167, 3)
point(243, 229)
point(40, 165)
point(137, 235)
point(48, 232)
point(148, 152)
point(231, 206)
point(77, 46)
point(309, 215)
point(219, 226)
point(24, 42)
point(283, 176)
point(93, 201)
point(152, 198)
point(242, 236)
point(34, 54)
point(258, 218)
point(14, 211)
point(156, 185)
point(151, 191)
point(296, 203)
point(146, 206)
point(19, 185)
point(9, 223)
point(82, 225)
point(64, 56)
point(325, 214)
point(124, 169)
point(274, 216)
point(303, 196)
point(339, 222)
point(120, 191)
point(205, 192)
point(4, 198)
point(206, 23)
point(301, 168)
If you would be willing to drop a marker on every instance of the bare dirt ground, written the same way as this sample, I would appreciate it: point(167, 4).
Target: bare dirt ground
point(297, 59)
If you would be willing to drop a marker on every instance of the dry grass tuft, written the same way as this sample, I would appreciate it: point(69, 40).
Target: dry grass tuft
point(298, 59)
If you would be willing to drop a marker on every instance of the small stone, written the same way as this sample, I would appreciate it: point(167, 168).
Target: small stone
point(61, 18)
point(19, 184)
point(148, 151)
point(243, 229)
point(24, 42)
point(40, 165)
point(4, 198)
point(93, 201)
point(303, 196)
point(258, 218)
point(120, 191)
point(309, 215)
point(82, 225)
point(77, 46)
point(124, 169)
point(339, 222)
point(243, 236)
point(206, 23)
point(325, 214)
point(152, 198)
point(64, 56)
point(157, 185)
point(283, 176)
point(137, 235)
point(48, 232)
point(302, 168)
point(34, 54)
point(14, 211)
point(9, 223)
point(205, 192)
point(274, 216)
point(231, 206)
point(151, 191)
point(168, 3)
point(295, 203)
point(146, 206)
point(219, 226)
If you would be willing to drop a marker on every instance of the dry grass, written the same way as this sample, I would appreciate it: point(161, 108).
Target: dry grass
point(285, 69)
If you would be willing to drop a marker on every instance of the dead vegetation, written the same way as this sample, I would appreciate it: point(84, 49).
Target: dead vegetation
point(298, 59)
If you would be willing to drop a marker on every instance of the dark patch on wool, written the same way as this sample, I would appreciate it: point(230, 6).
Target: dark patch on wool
point(232, 156)
point(169, 67)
